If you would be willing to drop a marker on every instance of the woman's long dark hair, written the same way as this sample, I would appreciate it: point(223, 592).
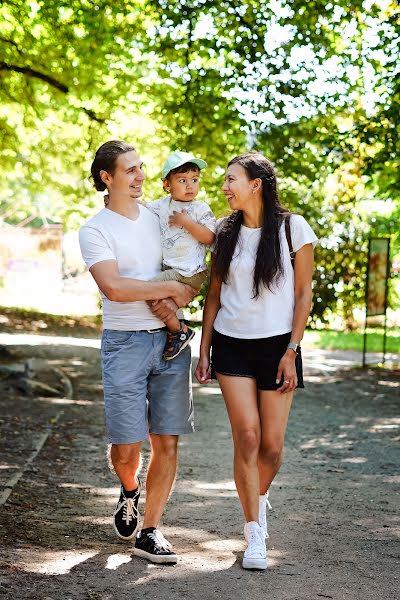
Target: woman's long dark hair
point(269, 266)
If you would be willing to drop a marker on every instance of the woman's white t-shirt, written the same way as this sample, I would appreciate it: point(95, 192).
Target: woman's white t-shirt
point(271, 313)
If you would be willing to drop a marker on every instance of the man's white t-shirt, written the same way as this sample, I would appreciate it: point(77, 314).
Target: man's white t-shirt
point(136, 246)
point(181, 251)
point(241, 315)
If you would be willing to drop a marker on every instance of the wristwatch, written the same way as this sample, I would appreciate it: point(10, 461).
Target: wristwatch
point(294, 346)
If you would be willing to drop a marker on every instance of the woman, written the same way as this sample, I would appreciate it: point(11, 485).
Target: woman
point(254, 318)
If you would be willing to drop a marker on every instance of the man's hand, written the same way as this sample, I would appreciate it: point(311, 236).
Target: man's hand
point(182, 294)
point(179, 219)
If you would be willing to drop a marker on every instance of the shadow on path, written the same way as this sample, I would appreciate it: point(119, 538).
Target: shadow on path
point(334, 529)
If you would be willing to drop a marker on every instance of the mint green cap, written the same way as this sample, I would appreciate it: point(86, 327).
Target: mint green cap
point(178, 158)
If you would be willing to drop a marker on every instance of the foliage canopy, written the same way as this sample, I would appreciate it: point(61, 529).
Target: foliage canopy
point(314, 85)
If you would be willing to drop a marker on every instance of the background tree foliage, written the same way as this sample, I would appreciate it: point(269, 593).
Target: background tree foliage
point(314, 85)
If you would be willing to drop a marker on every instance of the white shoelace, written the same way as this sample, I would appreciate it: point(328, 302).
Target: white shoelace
point(263, 514)
point(159, 540)
point(256, 544)
point(130, 511)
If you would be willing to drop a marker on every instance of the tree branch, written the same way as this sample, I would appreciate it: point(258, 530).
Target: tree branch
point(92, 115)
point(51, 81)
point(36, 74)
point(6, 41)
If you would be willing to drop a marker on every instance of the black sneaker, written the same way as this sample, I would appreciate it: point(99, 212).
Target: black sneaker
point(126, 515)
point(177, 341)
point(151, 544)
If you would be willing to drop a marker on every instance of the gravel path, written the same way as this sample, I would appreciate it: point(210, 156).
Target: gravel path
point(333, 528)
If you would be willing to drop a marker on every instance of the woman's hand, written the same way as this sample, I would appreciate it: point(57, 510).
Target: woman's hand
point(202, 372)
point(287, 368)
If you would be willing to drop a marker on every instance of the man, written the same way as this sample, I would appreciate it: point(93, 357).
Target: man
point(144, 395)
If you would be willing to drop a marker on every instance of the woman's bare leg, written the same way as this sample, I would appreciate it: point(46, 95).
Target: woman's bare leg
point(274, 409)
point(240, 395)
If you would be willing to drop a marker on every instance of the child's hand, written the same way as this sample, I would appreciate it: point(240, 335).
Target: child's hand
point(179, 219)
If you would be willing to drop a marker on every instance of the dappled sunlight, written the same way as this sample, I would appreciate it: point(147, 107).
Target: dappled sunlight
point(108, 494)
point(219, 485)
point(64, 401)
point(77, 486)
point(93, 387)
point(395, 479)
point(227, 545)
point(390, 525)
point(321, 367)
point(387, 383)
point(321, 379)
point(9, 466)
point(116, 560)
point(91, 520)
point(207, 391)
point(51, 563)
point(325, 441)
point(111, 492)
point(205, 489)
point(184, 534)
point(384, 424)
point(25, 339)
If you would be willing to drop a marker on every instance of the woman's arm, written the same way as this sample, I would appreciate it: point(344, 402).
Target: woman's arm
point(211, 307)
point(303, 271)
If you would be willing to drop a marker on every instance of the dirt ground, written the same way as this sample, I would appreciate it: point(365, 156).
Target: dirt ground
point(333, 528)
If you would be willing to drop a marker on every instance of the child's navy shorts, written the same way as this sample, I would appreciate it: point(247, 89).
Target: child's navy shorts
point(256, 358)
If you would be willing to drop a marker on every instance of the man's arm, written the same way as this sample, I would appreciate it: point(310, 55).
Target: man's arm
point(124, 289)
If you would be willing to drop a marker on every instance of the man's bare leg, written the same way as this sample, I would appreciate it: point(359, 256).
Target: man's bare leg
point(125, 459)
point(160, 476)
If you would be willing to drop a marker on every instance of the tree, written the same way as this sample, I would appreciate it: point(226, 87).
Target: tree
point(313, 85)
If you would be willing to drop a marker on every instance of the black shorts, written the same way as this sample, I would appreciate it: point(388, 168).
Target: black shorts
point(256, 358)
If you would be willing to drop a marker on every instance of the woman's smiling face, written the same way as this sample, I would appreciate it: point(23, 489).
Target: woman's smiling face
point(237, 187)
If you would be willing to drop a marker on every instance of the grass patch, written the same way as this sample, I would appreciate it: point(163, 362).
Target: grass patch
point(353, 340)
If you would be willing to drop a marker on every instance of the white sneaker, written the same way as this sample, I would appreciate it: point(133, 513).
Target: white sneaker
point(262, 513)
point(255, 556)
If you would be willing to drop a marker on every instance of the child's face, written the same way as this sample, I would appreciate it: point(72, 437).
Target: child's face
point(183, 186)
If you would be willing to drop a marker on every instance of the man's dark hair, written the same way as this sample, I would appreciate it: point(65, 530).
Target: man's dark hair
point(185, 168)
point(105, 159)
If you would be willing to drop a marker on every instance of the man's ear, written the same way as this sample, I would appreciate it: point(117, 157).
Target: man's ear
point(105, 177)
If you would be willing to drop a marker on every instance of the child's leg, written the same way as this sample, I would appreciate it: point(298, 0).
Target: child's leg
point(178, 340)
point(179, 334)
point(173, 324)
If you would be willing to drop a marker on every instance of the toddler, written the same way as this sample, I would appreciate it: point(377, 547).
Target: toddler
point(187, 227)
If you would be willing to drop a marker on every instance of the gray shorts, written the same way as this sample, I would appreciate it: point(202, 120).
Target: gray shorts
point(142, 392)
